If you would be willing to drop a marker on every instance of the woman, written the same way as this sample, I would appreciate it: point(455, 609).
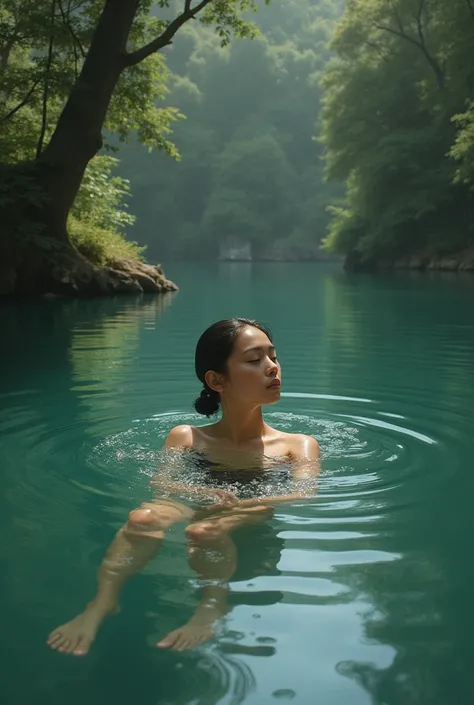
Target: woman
point(237, 365)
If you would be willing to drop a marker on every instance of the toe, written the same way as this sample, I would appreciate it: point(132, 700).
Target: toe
point(168, 641)
point(80, 650)
point(60, 643)
point(54, 638)
point(180, 644)
point(82, 646)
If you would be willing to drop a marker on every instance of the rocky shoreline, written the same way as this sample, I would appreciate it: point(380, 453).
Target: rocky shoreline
point(456, 262)
point(67, 273)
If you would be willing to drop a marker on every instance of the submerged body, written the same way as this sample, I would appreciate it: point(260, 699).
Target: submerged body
point(236, 448)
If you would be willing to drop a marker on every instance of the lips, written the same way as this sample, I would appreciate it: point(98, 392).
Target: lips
point(276, 384)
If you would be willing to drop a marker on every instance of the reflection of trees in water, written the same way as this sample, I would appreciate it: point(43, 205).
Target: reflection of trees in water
point(102, 348)
point(404, 327)
point(52, 531)
point(410, 615)
point(402, 683)
point(402, 339)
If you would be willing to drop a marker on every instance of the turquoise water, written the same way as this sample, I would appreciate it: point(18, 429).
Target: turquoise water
point(361, 596)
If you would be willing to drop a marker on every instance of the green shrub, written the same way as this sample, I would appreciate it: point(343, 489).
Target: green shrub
point(102, 246)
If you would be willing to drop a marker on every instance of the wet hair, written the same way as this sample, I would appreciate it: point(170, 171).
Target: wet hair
point(213, 349)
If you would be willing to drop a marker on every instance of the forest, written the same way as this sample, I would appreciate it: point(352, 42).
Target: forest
point(250, 169)
point(398, 129)
point(296, 130)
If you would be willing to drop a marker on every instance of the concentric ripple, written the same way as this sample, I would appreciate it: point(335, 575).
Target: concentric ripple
point(359, 594)
point(368, 451)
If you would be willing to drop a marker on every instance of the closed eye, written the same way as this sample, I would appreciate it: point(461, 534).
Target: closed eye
point(255, 362)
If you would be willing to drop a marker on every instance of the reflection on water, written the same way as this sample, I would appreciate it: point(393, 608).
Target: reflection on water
point(360, 595)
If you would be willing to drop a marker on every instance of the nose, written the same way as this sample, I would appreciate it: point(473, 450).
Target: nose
point(272, 367)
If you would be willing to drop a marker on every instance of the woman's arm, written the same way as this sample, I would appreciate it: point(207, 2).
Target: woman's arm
point(180, 438)
point(305, 455)
point(161, 484)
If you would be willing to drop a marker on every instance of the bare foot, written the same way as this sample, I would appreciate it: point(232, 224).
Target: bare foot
point(76, 637)
point(186, 637)
point(200, 628)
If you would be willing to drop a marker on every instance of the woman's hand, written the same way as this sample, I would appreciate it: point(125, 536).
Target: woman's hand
point(227, 499)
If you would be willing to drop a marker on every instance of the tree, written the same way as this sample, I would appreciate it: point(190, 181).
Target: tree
point(36, 196)
point(395, 120)
point(252, 194)
point(238, 99)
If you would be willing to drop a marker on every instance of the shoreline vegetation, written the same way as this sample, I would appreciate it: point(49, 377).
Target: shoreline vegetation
point(350, 140)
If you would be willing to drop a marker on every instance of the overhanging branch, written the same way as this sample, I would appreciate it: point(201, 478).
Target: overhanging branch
point(399, 33)
point(166, 37)
point(420, 43)
point(25, 100)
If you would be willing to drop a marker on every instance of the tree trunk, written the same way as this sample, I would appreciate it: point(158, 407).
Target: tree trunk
point(78, 134)
point(36, 255)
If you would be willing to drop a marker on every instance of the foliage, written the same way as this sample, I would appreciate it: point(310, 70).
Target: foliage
point(462, 150)
point(29, 72)
point(397, 126)
point(249, 168)
point(101, 198)
point(44, 45)
point(102, 246)
point(100, 214)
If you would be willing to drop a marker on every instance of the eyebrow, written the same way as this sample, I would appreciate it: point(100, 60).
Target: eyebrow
point(259, 348)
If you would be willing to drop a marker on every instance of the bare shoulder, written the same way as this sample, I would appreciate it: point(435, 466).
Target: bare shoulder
point(180, 437)
point(302, 446)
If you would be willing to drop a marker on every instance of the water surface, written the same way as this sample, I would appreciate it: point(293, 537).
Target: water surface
point(360, 596)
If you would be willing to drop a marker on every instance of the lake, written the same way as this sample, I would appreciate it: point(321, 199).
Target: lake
point(363, 595)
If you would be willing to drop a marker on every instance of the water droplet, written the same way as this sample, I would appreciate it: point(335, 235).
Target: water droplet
point(256, 616)
point(266, 640)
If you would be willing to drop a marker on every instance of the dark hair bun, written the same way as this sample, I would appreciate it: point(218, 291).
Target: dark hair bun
point(207, 402)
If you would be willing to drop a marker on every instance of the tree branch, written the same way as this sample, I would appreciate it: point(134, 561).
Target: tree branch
point(75, 38)
point(419, 23)
point(399, 33)
point(166, 37)
point(74, 46)
point(420, 43)
point(39, 146)
point(374, 45)
point(18, 107)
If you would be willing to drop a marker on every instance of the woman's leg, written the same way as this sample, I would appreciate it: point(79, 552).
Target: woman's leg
point(212, 555)
point(136, 543)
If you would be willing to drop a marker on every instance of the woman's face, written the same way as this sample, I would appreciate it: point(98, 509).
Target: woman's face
point(253, 372)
